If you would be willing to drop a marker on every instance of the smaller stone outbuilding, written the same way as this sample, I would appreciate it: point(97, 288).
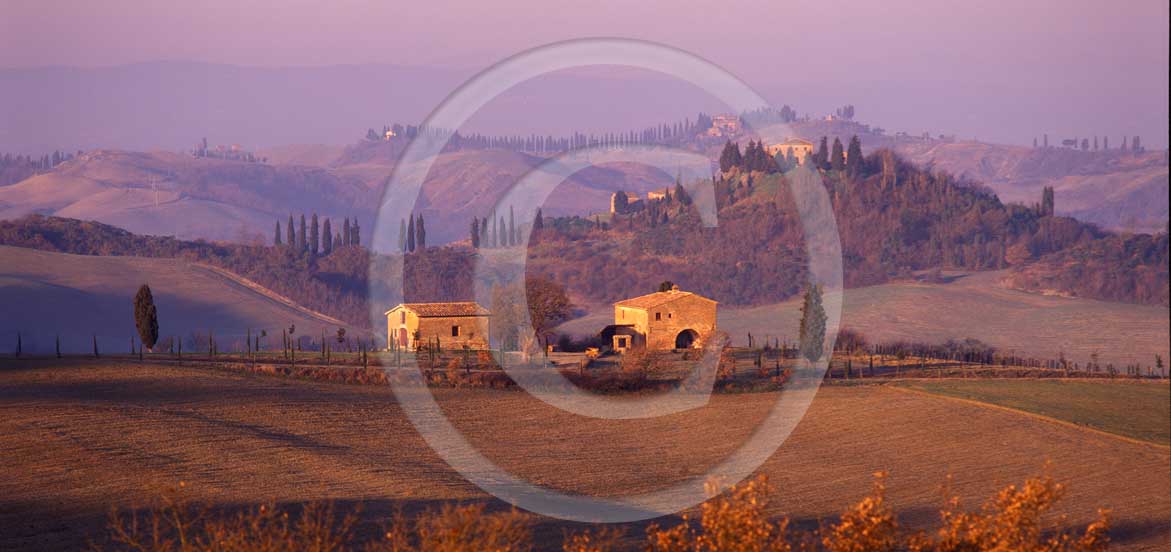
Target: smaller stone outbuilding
point(663, 320)
point(454, 324)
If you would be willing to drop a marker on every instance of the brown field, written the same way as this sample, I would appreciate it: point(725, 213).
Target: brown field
point(79, 437)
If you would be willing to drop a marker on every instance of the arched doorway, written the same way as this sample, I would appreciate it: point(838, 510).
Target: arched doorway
point(686, 339)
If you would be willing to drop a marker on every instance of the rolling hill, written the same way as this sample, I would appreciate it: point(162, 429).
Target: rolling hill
point(1113, 189)
point(162, 193)
point(77, 297)
point(171, 194)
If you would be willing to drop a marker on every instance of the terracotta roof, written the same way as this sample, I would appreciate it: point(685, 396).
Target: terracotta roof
point(796, 141)
point(652, 300)
point(433, 310)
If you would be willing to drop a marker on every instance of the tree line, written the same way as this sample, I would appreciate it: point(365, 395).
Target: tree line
point(1134, 145)
point(310, 238)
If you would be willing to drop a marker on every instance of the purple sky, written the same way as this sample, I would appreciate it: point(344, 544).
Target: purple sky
point(995, 70)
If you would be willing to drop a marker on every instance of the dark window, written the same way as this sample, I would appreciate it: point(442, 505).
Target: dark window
point(455, 331)
point(658, 316)
point(402, 317)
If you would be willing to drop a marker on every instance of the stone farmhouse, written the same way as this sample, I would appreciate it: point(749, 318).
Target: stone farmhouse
point(455, 324)
point(795, 147)
point(664, 320)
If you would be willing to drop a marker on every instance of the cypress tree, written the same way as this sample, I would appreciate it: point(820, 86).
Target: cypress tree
point(821, 157)
point(276, 236)
point(402, 235)
point(421, 235)
point(475, 233)
point(411, 235)
point(512, 237)
point(146, 317)
point(327, 241)
point(302, 244)
point(346, 231)
point(854, 157)
point(314, 237)
point(355, 233)
point(538, 221)
point(812, 327)
point(838, 161)
point(290, 235)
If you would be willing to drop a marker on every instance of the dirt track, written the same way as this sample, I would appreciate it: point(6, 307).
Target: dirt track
point(76, 439)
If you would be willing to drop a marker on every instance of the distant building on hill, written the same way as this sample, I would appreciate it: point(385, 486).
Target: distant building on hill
point(663, 320)
point(796, 147)
point(724, 125)
point(623, 202)
point(454, 324)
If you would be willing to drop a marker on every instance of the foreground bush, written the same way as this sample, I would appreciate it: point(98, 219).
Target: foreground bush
point(734, 521)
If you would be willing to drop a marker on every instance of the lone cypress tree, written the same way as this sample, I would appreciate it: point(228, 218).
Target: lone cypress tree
point(146, 317)
point(812, 324)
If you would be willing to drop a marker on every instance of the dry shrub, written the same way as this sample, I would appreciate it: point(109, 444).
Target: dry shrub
point(867, 526)
point(603, 540)
point(457, 529)
point(174, 524)
point(1012, 521)
point(734, 521)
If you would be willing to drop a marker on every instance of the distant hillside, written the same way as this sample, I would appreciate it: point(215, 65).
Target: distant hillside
point(77, 297)
point(171, 194)
point(334, 284)
point(1113, 189)
point(894, 219)
point(1130, 268)
point(174, 194)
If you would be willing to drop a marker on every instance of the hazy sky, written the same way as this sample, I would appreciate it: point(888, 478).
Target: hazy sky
point(970, 67)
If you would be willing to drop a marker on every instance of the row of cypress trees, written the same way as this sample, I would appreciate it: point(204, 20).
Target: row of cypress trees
point(314, 239)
